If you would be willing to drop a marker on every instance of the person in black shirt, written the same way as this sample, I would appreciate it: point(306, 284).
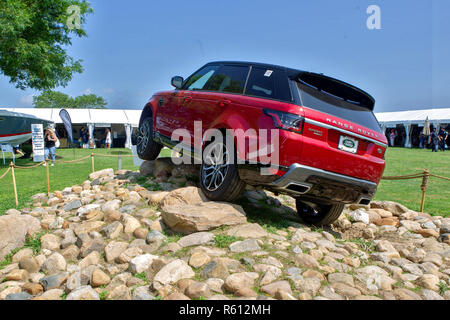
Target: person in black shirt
point(434, 141)
point(50, 144)
point(443, 135)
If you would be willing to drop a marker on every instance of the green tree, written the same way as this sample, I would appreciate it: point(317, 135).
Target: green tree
point(55, 99)
point(91, 101)
point(34, 35)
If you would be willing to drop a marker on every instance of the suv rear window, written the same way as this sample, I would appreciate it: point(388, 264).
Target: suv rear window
point(267, 83)
point(334, 105)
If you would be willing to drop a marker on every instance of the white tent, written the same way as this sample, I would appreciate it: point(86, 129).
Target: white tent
point(436, 117)
point(83, 116)
point(91, 118)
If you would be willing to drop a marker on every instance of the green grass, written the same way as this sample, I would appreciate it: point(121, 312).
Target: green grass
point(223, 241)
point(34, 242)
point(142, 276)
point(103, 295)
point(400, 161)
point(443, 287)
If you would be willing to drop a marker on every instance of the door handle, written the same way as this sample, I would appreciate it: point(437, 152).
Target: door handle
point(224, 103)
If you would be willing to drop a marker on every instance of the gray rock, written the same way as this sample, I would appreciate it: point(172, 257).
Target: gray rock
point(427, 294)
point(74, 281)
point(142, 293)
point(97, 245)
point(19, 296)
point(112, 230)
point(142, 263)
point(196, 239)
point(53, 281)
point(297, 249)
point(247, 261)
point(245, 246)
point(73, 205)
point(294, 273)
point(155, 236)
point(83, 293)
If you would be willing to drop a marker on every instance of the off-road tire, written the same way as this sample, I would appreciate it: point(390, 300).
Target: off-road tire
point(150, 149)
point(232, 186)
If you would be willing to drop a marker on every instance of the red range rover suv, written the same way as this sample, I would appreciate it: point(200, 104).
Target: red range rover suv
point(330, 146)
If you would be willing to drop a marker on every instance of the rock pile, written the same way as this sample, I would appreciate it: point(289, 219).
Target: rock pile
point(116, 237)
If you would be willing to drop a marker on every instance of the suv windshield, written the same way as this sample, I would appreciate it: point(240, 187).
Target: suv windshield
point(336, 106)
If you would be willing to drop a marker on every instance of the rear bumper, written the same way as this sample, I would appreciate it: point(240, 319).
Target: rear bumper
point(315, 183)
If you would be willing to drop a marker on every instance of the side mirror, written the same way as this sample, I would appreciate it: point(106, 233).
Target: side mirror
point(177, 82)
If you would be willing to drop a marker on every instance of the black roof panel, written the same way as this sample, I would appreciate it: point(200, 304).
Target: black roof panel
point(316, 78)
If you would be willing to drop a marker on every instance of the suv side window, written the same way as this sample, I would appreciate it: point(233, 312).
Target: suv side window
point(229, 79)
point(268, 83)
point(198, 80)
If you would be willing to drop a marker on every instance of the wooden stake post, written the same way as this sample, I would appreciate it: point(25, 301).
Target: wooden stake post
point(14, 184)
point(424, 187)
point(92, 159)
point(48, 178)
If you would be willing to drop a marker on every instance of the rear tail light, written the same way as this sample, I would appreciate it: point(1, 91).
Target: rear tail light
point(286, 121)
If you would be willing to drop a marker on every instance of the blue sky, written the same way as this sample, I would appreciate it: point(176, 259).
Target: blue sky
point(134, 47)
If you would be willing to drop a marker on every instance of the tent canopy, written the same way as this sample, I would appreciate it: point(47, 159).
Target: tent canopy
point(435, 116)
point(84, 116)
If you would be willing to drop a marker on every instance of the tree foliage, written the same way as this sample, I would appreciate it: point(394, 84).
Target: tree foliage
point(55, 99)
point(34, 35)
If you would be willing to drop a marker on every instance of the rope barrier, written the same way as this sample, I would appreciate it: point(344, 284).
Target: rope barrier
point(440, 177)
point(29, 167)
point(73, 161)
point(113, 156)
point(423, 175)
point(4, 175)
point(403, 177)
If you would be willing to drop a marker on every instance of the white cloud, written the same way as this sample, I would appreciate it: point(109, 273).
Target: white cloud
point(88, 91)
point(26, 100)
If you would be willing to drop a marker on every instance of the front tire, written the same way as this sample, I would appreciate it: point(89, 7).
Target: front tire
point(219, 176)
point(319, 214)
point(147, 148)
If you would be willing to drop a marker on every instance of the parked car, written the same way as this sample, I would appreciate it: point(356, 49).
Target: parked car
point(331, 145)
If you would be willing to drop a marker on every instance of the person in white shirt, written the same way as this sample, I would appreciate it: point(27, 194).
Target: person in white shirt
point(108, 139)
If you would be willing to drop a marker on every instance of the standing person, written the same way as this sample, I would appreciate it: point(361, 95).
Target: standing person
point(108, 139)
point(50, 145)
point(392, 136)
point(85, 138)
point(443, 138)
point(421, 141)
point(434, 141)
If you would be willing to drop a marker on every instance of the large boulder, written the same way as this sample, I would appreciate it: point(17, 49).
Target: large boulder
point(204, 216)
point(146, 168)
point(13, 231)
point(163, 167)
point(189, 195)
